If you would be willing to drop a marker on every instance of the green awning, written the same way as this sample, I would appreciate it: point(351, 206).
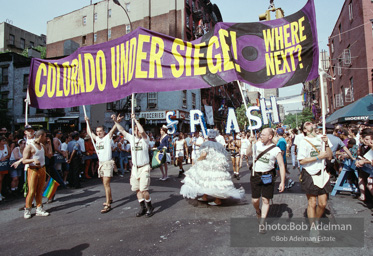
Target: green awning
point(360, 110)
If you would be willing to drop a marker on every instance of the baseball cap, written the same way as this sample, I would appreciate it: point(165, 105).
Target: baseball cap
point(28, 126)
point(280, 131)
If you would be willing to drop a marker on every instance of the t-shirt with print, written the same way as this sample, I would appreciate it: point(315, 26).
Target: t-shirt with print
point(103, 148)
point(307, 150)
point(267, 161)
point(141, 148)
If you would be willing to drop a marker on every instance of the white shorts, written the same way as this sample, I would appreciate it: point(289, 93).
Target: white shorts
point(179, 153)
point(143, 181)
point(105, 169)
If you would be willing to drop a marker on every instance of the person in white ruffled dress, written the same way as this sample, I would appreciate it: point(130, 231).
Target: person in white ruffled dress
point(210, 176)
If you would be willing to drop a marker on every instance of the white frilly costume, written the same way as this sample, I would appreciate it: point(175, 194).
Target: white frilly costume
point(210, 176)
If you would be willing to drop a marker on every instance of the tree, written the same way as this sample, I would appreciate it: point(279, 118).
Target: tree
point(41, 49)
point(293, 119)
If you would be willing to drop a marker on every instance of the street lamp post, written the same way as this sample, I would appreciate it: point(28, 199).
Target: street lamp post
point(133, 95)
point(118, 3)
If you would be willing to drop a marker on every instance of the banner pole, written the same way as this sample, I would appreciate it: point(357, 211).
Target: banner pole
point(27, 101)
point(85, 115)
point(244, 102)
point(134, 162)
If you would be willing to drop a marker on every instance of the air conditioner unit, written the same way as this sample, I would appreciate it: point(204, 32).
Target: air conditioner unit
point(349, 95)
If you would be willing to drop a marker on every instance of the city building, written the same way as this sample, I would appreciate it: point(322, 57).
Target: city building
point(104, 21)
point(14, 77)
point(17, 40)
point(351, 56)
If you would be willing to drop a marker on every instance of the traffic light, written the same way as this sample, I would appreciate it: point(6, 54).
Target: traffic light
point(265, 16)
point(279, 13)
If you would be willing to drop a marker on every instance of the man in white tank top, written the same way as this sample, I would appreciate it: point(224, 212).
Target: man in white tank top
point(105, 159)
point(34, 155)
point(140, 175)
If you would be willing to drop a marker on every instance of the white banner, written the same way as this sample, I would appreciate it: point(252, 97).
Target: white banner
point(209, 115)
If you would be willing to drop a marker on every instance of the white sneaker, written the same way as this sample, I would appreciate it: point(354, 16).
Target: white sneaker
point(40, 212)
point(27, 213)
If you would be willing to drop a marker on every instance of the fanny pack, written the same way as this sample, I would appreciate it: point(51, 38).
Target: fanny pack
point(267, 178)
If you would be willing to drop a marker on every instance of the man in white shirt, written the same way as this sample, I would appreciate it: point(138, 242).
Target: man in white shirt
point(105, 159)
point(314, 179)
point(220, 138)
point(140, 175)
point(263, 177)
point(197, 142)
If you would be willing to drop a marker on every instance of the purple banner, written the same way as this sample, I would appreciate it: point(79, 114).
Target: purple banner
point(268, 54)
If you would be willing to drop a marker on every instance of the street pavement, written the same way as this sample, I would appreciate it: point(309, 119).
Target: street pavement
point(178, 227)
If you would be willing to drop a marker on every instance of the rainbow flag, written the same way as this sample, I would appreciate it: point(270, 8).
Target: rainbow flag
point(51, 188)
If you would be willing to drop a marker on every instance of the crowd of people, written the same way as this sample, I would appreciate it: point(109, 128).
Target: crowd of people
point(70, 158)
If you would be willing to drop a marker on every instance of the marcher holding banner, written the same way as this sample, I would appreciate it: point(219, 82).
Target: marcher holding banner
point(264, 173)
point(4, 161)
point(105, 159)
point(140, 174)
point(314, 178)
point(34, 156)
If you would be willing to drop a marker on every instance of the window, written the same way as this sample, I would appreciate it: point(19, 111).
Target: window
point(95, 17)
point(128, 6)
point(84, 20)
point(95, 38)
point(84, 40)
point(11, 39)
point(109, 13)
point(4, 75)
point(23, 43)
point(39, 111)
point(339, 31)
point(152, 99)
point(185, 102)
point(32, 44)
point(74, 109)
point(193, 101)
point(187, 21)
point(109, 106)
point(4, 100)
point(128, 29)
point(109, 33)
point(332, 46)
point(24, 106)
point(350, 14)
point(25, 81)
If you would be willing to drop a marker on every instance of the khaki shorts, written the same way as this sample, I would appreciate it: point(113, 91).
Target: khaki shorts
point(143, 181)
point(105, 169)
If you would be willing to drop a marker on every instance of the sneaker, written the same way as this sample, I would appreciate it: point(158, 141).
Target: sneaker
point(121, 175)
point(40, 212)
point(1, 197)
point(290, 183)
point(238, 176)
point(66, 183)
point(27, 213)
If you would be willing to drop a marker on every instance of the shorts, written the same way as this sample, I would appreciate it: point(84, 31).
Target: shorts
point(259, 189)
point(16, 172)
point(308, 186)
point(235, 154)
point(179, 153)
point(143, 181)
point(105, 169)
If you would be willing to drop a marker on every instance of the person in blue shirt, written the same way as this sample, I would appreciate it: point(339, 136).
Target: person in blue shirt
point(281, 143)
point(75, 158)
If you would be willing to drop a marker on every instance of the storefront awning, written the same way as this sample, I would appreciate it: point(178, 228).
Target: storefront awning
point(360, 110)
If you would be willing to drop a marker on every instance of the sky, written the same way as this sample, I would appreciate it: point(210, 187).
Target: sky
point(33, 15)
